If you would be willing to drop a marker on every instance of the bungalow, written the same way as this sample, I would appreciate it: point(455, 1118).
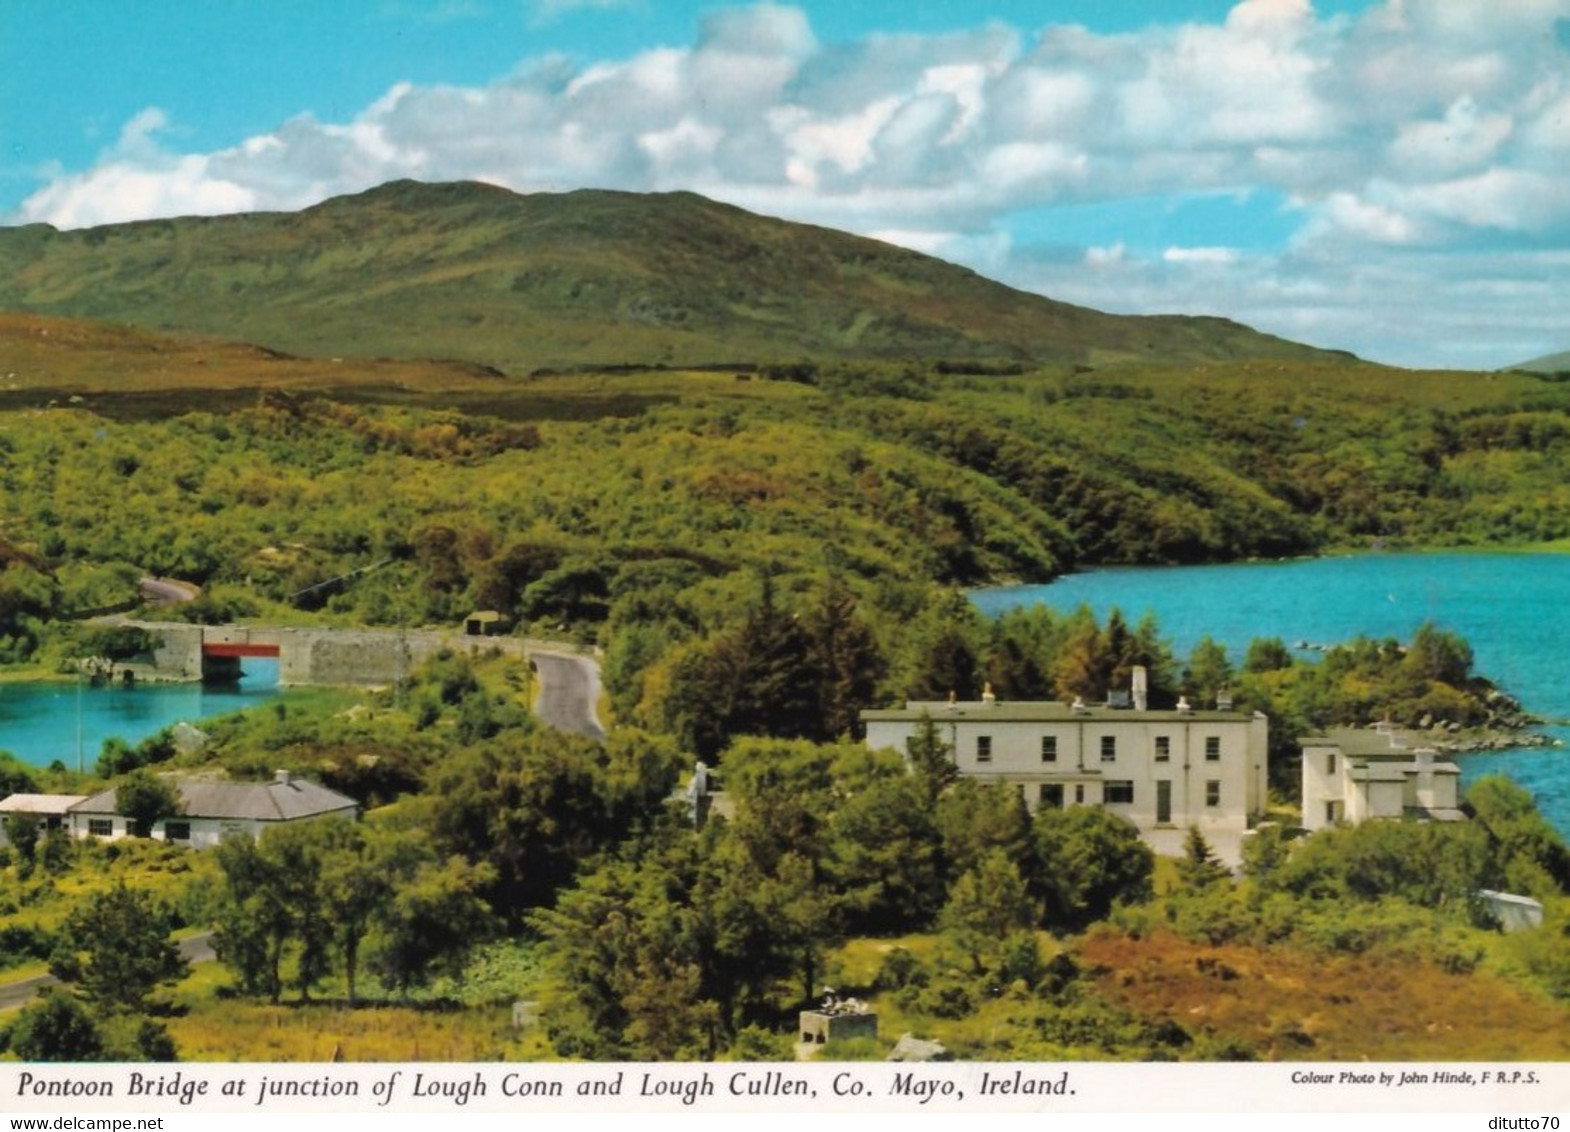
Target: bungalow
point(211, 811)
point(51, 810)
point(1356, 776)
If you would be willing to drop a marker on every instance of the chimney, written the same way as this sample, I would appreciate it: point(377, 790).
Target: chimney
point(282, 777)
point(987, 698)
point(1224, 700)
point(1141, 688)
point(1183, 704)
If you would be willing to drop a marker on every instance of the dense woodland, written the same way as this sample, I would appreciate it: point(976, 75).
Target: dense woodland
point(759, 555)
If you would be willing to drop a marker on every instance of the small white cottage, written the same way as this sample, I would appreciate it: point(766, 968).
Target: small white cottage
point(51, 810)
point(212, 811)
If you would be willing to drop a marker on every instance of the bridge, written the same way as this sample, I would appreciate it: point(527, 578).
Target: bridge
point(569, 678)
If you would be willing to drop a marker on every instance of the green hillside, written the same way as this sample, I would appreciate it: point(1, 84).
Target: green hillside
point(1548, 363)
point(478, 273)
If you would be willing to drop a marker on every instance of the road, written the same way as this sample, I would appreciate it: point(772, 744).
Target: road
point(569, 691)
point(163, 592)
point(196, 948)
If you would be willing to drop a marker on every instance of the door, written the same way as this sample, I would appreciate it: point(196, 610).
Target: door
point(1052, 795)
point(1163, 801)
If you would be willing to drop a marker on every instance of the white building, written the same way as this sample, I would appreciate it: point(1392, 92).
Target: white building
point(211, 811)
point(1162, 770)
point(52, 811)
point(1355, 776)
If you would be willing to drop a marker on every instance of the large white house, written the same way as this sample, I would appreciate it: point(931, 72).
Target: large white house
point(211, 811)
point(1162, 770)
point(1355, 776)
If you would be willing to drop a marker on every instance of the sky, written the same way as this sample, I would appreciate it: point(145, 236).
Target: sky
point(1381, 176)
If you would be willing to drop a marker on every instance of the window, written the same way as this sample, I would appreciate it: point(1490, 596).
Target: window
point(177, 831)
point(1109, 748)
point(1118, 792)
point(1079, 793)
point(1330, 813)
point(1049, 748)
point(1212, 748)
point(100, 827)
point(1330, 763)
point(1163, 748)
point(1213, 792)
point(1052, 795)
point(983, 748)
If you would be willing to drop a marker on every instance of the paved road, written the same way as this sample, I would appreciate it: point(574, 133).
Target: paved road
point(196, 949)
point(569, 691)
point(162, 592)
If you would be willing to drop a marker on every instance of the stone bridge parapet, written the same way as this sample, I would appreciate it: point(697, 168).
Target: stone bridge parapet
point(373, 657)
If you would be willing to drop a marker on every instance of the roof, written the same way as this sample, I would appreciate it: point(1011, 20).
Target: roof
point(283, 799)
point(39, 803)
point(1042, 711)
point(1369, 742)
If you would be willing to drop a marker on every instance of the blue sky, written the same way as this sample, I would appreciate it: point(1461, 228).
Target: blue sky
point(1377, 175)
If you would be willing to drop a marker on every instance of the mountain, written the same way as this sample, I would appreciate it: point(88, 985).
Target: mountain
point(476, 273)
point(1548, 363)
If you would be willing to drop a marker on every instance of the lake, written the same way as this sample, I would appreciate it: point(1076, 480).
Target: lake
point(69, 721)
point(1514, 610)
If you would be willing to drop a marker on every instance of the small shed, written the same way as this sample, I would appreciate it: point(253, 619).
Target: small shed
point(483, 623)
point(1513, 912)
point(838, 1019)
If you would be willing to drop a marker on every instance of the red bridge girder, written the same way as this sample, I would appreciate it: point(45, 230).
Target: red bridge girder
point(234, 649)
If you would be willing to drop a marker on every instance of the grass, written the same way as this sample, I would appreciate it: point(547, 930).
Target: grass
point(1293, 1004)
point(520, 282)
point(1281, 1003)
point(211, 1024)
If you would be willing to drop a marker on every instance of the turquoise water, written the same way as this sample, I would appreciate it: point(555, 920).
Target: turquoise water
point(1513, 609)
point(40, 723)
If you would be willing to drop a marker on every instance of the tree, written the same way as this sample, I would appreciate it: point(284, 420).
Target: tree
point(1208, 672)
point(1199, 868)
point(931, 759)
point(988, 903)
point(1267, 654)
point(1081, 665)
point(255, 922)
point(55, 1027)
point(885, 856)
point(431, 923)
point(117, 949)
point(844, 661)
point(356, 880)
point(635, 959)
point(1090, 860)
point(532, 807)
point(974, 819)
point(1527, 854)
point(21, 830)
point(1437, 655)
point(146, 799)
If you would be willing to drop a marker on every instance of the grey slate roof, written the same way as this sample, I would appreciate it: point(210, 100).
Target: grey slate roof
point(278, 800)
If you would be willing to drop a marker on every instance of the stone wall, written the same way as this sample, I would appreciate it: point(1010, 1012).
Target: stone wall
point(326, 656)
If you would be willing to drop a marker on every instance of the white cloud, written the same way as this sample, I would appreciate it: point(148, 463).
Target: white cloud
point(1215, 257)
point(1435, 124)
point(548, 11)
